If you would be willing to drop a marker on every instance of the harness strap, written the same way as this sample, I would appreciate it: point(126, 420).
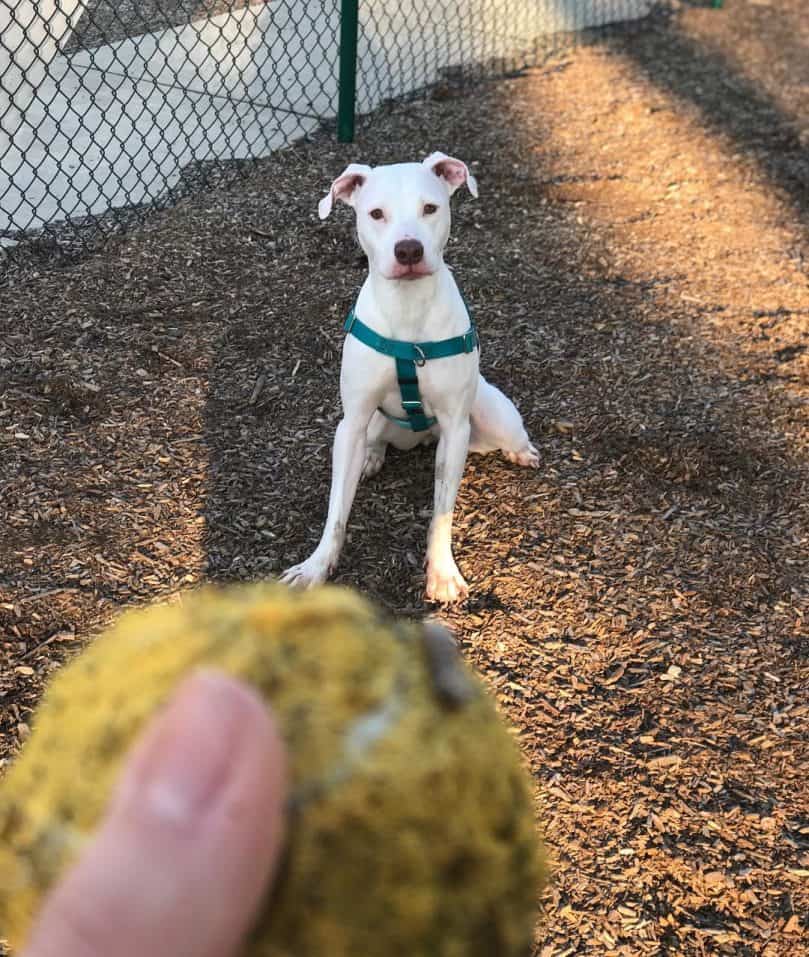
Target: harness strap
point(411, 397)
point(418, 352)
point(408, 356)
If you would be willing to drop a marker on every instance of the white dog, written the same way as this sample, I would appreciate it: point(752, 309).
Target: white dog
point(410, 360)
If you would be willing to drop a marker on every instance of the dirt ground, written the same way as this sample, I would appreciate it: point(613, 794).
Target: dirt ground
point(637, 263)
point(106, 21)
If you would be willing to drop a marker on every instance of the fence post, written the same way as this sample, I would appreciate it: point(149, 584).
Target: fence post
point(347, 98)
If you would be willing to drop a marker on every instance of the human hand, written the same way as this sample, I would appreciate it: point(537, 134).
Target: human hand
point(190, 842)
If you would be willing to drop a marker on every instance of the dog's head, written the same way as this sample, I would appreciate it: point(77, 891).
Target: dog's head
point(403, 215)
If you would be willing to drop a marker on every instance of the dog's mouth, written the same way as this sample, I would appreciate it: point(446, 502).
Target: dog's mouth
point(411, 272)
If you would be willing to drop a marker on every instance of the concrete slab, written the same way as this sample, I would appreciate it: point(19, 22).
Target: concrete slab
point(30, 37)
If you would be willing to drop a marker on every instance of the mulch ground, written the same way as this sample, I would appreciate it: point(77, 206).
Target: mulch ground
point(108, 21)
point(637, 263)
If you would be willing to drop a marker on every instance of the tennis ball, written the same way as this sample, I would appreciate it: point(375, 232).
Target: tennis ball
point(405, 782)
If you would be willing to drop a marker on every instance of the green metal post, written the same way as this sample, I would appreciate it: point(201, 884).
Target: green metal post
point(349, 20)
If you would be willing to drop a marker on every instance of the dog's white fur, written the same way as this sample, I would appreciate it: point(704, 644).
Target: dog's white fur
point(414, 302)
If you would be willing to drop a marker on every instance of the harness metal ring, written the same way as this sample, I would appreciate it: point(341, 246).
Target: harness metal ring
point(422, 359)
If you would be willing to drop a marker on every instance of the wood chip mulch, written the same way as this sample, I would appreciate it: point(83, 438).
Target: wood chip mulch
point(109, 21)
point(637, 263)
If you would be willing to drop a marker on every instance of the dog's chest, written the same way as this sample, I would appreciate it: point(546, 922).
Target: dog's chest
point(445, 385)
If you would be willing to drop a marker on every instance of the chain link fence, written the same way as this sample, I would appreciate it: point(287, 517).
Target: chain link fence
point(112, 107)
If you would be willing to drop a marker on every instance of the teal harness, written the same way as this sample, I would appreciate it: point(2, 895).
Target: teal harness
point(408, 355)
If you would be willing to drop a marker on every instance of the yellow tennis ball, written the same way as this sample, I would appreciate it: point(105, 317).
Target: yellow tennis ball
point(405, 782)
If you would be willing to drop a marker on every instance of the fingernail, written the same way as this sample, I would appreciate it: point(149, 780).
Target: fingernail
point(186, 757)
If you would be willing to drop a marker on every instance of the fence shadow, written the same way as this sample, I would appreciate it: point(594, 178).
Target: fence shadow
point(729, 104)
point(653, 450)
point(231, 307)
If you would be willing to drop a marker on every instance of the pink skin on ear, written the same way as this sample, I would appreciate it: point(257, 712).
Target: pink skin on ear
point(343, 188)
point(453, 171)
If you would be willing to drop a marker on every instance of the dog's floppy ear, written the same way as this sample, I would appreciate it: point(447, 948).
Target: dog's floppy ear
point(344, 187)
point(452, 171)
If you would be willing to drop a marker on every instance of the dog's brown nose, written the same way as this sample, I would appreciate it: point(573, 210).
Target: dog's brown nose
point(408, 252)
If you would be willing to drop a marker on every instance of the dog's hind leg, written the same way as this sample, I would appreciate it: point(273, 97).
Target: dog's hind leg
point(382, 433)
point(377, 438)
point(496, 424)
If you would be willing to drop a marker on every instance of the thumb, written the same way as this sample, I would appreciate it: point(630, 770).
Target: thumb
point(191, 840)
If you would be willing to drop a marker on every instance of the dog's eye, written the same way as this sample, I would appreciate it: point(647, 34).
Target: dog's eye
point(430, 208)
point(377, 214)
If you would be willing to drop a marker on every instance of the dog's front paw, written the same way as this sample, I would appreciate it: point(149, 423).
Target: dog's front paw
point(527, 457)
point(445, 583)
point(313, 571)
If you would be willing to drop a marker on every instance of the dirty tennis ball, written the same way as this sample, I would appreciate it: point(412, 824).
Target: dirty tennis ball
point(410, 826)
